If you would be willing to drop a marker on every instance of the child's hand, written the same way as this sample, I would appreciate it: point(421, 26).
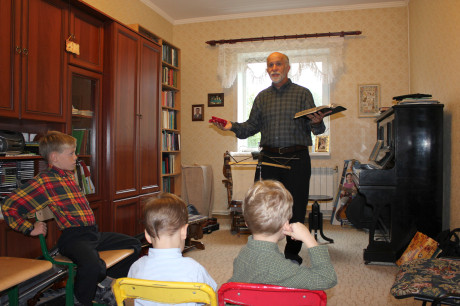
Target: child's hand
point(299, 231)
point(39, 228)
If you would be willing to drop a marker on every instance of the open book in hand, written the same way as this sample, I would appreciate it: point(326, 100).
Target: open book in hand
point(335, 108)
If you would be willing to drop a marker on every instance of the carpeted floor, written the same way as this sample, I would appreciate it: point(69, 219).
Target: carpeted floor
point(358, 284)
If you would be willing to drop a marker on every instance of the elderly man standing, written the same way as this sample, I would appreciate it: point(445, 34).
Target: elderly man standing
point(284, 140)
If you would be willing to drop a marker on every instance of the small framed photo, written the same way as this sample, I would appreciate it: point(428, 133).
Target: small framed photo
point(322, 144)
point(368, 100)
point(198, 112)
point(215, 99)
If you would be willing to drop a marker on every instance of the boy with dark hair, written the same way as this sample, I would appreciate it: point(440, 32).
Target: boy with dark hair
point(80, 239)
point(166, 222)
point(267, 208)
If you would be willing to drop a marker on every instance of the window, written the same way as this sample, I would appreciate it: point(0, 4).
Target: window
point(254, 79)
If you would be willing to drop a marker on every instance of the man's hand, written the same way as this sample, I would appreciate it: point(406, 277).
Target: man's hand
point(317, 117)
point(221, 126)
point(39, 228)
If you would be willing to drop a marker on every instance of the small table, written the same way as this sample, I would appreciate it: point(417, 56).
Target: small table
point(14, 270)
point(315, 218)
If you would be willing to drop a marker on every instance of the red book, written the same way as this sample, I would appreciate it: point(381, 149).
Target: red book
point(218, 120)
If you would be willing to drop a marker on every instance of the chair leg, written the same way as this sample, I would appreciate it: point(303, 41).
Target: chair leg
point(69, 288)
point(13, 296)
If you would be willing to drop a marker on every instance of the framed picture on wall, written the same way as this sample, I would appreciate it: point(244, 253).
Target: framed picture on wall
point(322, 144)
point(198, 112)
point(215, 99)
point(368, 100)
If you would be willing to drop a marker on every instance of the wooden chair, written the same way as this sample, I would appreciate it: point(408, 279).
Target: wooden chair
point(14, 271)
point(163, 292)
point(268, 295)
point(109, 257)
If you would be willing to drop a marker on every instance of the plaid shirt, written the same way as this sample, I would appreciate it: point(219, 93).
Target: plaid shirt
point(55, 188)
point(273, 115)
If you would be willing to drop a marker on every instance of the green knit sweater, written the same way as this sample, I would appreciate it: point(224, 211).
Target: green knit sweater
point(262, 262)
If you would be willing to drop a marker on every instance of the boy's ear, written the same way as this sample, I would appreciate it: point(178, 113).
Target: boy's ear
point(147, 237)
point(183, 232)
point(52, 157)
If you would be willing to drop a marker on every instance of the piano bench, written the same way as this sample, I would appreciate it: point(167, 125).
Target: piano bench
point(433, 280)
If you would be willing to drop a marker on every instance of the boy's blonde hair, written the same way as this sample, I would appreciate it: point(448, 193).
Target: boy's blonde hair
point(266, 207)
point(165, 214)
point(55, 141)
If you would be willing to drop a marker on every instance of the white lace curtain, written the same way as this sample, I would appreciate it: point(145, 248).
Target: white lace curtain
point(233, 58)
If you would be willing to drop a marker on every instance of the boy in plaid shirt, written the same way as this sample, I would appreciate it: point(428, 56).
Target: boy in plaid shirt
point(80, 239)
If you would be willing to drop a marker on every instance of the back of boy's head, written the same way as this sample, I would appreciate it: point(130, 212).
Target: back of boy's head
point(165, 215)
point(54, 141)
point(267, 206)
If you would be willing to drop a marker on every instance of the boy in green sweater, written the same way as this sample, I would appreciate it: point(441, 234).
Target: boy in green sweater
point(267, 209)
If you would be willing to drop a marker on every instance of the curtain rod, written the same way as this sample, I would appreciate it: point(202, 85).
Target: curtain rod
point(232, 41)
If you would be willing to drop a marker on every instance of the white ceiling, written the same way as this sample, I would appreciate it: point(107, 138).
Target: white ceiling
point(190, 11)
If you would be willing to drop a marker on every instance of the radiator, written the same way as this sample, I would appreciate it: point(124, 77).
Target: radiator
point(324, 181)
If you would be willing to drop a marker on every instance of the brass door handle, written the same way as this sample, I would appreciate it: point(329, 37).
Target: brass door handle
point(25, 51)
point(18, 50)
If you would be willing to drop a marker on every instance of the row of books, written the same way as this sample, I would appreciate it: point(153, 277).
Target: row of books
point(83, 178)
point(83, 137)
point(168, 98)
point(169, 119)
point(170, 55)
point(169, 77)
point(171, 141)
point(168, 164)
point(168, 184)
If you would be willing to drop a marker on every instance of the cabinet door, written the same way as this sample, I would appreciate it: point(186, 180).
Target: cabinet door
point(9, 57)
point(125, 86)
point(88, 32)
point(85, 96)
point(149, 95)
point(125, 215)
point(43, 60)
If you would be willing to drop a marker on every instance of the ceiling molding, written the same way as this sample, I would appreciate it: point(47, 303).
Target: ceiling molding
point(158, 10)
point(397, 3)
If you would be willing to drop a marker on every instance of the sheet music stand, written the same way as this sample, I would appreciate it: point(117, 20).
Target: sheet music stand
point(237, 188)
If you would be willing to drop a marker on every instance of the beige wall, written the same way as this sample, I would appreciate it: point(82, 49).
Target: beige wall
point(434, 68)
point(379, 56)
point(132, 12)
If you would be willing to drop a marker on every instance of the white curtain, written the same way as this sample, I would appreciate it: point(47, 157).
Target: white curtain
point(233, 58)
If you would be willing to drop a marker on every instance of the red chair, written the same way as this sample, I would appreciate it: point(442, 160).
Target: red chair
point(267, 295)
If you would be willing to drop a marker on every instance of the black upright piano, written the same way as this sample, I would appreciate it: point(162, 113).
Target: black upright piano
point(403, 180)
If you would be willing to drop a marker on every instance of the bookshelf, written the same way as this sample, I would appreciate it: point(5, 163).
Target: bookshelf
point(171, 170)
point(170, 119)
point(85, 98)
